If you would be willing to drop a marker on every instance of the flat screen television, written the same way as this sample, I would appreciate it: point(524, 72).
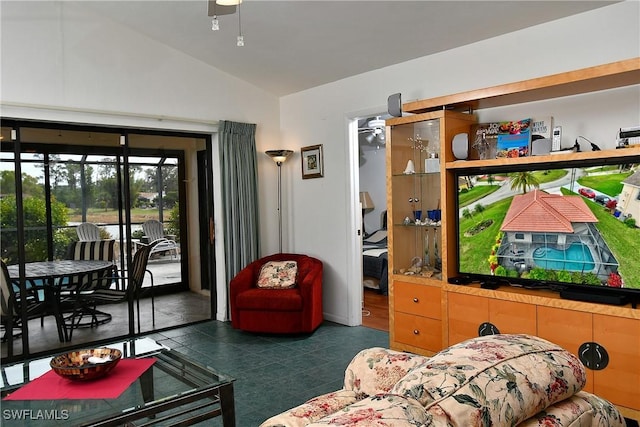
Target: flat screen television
point(568, 226)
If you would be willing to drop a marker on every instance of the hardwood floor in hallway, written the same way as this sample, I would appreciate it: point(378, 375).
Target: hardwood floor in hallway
point(375, 313)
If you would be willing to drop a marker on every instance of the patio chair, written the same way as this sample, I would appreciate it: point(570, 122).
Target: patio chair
point(154, 230)
point(103, 250)
point(11, 305)
point(87, 232)
point(86, 301)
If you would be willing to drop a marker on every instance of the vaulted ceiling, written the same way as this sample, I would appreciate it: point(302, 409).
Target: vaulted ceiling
point(291, 46)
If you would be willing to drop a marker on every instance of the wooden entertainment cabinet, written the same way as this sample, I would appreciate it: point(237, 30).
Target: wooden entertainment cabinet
point(426, 313)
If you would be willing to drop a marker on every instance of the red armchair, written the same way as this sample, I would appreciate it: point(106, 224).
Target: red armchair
point(293, 310)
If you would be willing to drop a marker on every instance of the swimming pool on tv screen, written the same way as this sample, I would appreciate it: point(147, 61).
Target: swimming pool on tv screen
point(577, 257)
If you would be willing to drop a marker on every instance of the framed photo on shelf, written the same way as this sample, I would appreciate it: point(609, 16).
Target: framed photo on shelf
point(312, 163)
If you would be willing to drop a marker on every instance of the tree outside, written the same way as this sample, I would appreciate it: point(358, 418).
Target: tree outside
point(35, 223)
point(79, 192)
point(523, 181)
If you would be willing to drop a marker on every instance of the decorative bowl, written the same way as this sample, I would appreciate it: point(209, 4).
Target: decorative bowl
point(89, 364)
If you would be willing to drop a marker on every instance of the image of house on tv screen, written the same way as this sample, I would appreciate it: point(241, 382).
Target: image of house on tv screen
point(571, 225)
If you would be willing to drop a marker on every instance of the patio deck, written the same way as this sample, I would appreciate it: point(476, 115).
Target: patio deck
point(170, 310)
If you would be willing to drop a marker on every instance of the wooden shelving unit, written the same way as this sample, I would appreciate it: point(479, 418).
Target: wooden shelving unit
point(426, 314)
point(593, 79)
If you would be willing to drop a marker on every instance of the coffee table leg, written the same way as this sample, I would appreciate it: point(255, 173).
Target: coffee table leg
point(227, 404)
point(146, 384)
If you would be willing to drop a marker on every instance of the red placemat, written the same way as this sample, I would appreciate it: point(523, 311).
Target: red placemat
point(51, 386)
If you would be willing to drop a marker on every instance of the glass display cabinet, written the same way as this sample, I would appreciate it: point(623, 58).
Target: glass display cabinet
point(415, 185)
point(417, 147)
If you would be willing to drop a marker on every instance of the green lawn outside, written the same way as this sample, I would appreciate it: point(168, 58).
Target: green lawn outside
point(623, 241)
point(475, 250)
point(101, 216)
point(602, 168)
point(610, 184)
point(549, 175)
point(475, 193)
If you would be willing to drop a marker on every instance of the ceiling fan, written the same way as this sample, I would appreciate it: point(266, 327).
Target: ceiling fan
point(217, 9)
point(373, 130)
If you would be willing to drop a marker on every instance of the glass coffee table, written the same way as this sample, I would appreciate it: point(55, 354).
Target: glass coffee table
point(174, 390)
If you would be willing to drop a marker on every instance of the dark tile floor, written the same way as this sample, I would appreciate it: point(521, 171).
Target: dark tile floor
point(170, 311)
point(273, 372)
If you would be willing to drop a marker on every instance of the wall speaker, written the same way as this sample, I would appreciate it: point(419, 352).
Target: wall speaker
point(460, 146)
point(394, 105)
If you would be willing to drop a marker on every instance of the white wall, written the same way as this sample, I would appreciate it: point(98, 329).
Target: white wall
point(321, 222)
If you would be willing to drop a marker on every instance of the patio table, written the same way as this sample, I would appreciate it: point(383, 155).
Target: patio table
point(50, 274)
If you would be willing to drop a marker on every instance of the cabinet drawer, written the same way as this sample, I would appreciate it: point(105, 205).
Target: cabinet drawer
point(417, 299)
point(418, 331)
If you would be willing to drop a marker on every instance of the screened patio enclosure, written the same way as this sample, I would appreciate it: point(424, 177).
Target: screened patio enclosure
point(116, 179)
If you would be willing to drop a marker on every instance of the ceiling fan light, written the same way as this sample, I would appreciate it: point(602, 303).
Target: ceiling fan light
point(240, 41)
point(369, 138)
point(228, 2)
point(377, 123)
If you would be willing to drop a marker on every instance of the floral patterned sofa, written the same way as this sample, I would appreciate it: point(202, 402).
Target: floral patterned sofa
point(499, 380)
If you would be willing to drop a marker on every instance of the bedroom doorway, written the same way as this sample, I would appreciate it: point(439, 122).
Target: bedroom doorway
point(372, 195)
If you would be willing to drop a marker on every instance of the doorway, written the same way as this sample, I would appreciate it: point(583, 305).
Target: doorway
point(369, 166)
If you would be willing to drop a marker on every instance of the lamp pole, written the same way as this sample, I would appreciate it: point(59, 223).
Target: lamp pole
point(279, 156)
point(279, 206)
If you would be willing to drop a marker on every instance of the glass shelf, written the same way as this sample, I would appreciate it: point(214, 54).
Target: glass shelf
point(416, 175)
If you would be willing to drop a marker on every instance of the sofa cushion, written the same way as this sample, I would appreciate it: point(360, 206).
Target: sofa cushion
point(312, 410)
point(270, 299)
point(376, 370)
point(493, 380)
point(278, 275)
point(383, 410)
point(580, 410)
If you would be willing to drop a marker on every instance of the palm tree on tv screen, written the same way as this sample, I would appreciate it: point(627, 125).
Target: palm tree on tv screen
point(523, 180)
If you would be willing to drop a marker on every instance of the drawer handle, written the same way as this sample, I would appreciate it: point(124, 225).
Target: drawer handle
point(415, 300)
point(416, 332)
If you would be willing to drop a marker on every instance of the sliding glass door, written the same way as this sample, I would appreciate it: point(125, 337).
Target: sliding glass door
point(118, 180)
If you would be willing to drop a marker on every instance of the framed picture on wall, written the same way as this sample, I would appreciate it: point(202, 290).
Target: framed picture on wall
point(312, 163)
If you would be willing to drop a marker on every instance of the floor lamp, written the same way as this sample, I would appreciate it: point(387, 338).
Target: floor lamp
point(279, 156)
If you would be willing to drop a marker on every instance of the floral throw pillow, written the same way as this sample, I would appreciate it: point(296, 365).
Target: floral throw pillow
point(278, 275)
point(493, 380)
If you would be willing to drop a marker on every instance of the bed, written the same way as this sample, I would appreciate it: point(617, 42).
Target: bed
point(375, 259)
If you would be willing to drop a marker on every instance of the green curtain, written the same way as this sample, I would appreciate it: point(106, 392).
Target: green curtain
point(239, 177)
